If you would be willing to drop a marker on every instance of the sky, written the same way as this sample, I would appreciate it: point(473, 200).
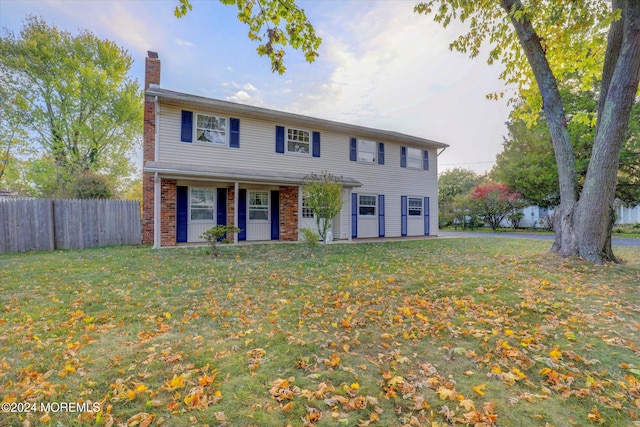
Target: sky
point(380, 65)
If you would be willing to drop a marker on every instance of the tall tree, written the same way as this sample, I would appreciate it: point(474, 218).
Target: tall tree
point(527, 162)
point(541, 43)
point(275, 24)
point(81, 110)
point(451, 184)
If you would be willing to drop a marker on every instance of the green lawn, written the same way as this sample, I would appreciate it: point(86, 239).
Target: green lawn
point(433, 333)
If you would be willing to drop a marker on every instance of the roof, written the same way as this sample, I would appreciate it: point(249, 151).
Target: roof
point(290, 118)
point(186, 171)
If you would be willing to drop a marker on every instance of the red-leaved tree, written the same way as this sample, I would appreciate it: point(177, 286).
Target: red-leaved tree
point(493, 202)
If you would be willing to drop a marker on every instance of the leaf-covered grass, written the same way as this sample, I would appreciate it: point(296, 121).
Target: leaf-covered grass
point(434, 332)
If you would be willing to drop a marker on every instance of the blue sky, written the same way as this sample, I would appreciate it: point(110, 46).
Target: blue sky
point(380, 65)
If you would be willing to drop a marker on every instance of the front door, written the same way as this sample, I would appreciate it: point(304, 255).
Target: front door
point(182, 213)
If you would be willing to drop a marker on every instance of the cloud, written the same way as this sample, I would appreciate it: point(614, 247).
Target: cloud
point(181, 42)
point(392, 69)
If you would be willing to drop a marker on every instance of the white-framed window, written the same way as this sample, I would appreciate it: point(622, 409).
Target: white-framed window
point(367, 205)
point(298, 141)
point(306, 210)
point(211, 129)
point(258, 205)
point(367, 151)
point(415, 206)
point(414, 158)
point(201, 204)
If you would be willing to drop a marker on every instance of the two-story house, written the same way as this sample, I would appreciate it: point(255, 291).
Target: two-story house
point(210, 162)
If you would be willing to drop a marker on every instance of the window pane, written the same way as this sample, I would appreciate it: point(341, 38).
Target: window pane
point(297, 141)
point(259, 205)
point(306, 211)
point(366, 151)
point(211, 129)
point(367, 205)
point(415, 206)
point(202, 204)
point(298, 147)
point(414, 158)
point(201, 214)
point(259, 214)
point(367, 211)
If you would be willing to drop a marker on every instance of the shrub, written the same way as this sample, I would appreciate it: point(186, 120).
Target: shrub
point(310, 238)
point(216, 235)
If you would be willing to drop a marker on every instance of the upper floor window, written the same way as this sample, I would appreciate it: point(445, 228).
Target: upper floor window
point(259, 205)
point(298, 141)
point(367, 151)
point(211, 129)
point(202, 204)
point(414, 158)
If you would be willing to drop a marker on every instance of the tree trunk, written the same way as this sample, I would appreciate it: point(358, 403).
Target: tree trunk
point(583, 227)
point(593, 217)
point(565, 242)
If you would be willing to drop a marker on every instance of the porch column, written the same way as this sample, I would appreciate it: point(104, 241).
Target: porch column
point(289, 213)
point(236, 191)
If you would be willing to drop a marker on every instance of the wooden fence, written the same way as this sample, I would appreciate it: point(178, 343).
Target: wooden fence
point(45, 224)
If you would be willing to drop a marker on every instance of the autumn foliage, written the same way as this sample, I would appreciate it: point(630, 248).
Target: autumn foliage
point(464, 332)
point(494, 201)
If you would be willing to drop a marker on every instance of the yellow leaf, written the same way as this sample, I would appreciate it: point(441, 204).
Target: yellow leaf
point(467, 404)
point(480, 389)
point(555, 353)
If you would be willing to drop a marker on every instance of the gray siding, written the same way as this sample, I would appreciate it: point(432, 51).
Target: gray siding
point(257, 149)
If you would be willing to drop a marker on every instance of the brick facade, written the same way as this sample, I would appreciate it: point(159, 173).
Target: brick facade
point(152, 76)
point(289, 213)
point(168, 201)
point(231, 191)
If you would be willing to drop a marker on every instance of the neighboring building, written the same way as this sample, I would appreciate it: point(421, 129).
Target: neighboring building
point(210, 162)
point(627, 214)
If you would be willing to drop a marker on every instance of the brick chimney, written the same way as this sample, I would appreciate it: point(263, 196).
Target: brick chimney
point(151, 70)
point(151, 77)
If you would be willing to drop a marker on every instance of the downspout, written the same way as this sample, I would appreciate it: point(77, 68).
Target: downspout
point(156, 211)
point(157, 193)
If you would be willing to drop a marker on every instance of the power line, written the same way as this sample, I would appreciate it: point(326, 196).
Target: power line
point(469, 163)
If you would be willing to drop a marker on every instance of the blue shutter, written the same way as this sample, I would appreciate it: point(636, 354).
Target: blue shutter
point(182, 213)
point(353, 153)
point(381, 153)
point(221, 214)
point(425, 160)
point(316, 144)
point(234, 140)
point(242, 214)
point(425, 209)
point(279, 139)
point(354, 215)
point(403, 157)
point(380, 215)
point(186, 134)
point(403, 215)
point(275, 215)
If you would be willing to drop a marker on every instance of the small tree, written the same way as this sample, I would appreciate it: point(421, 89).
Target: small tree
point(494, 202)
point(323, 195)
point(216, 234)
